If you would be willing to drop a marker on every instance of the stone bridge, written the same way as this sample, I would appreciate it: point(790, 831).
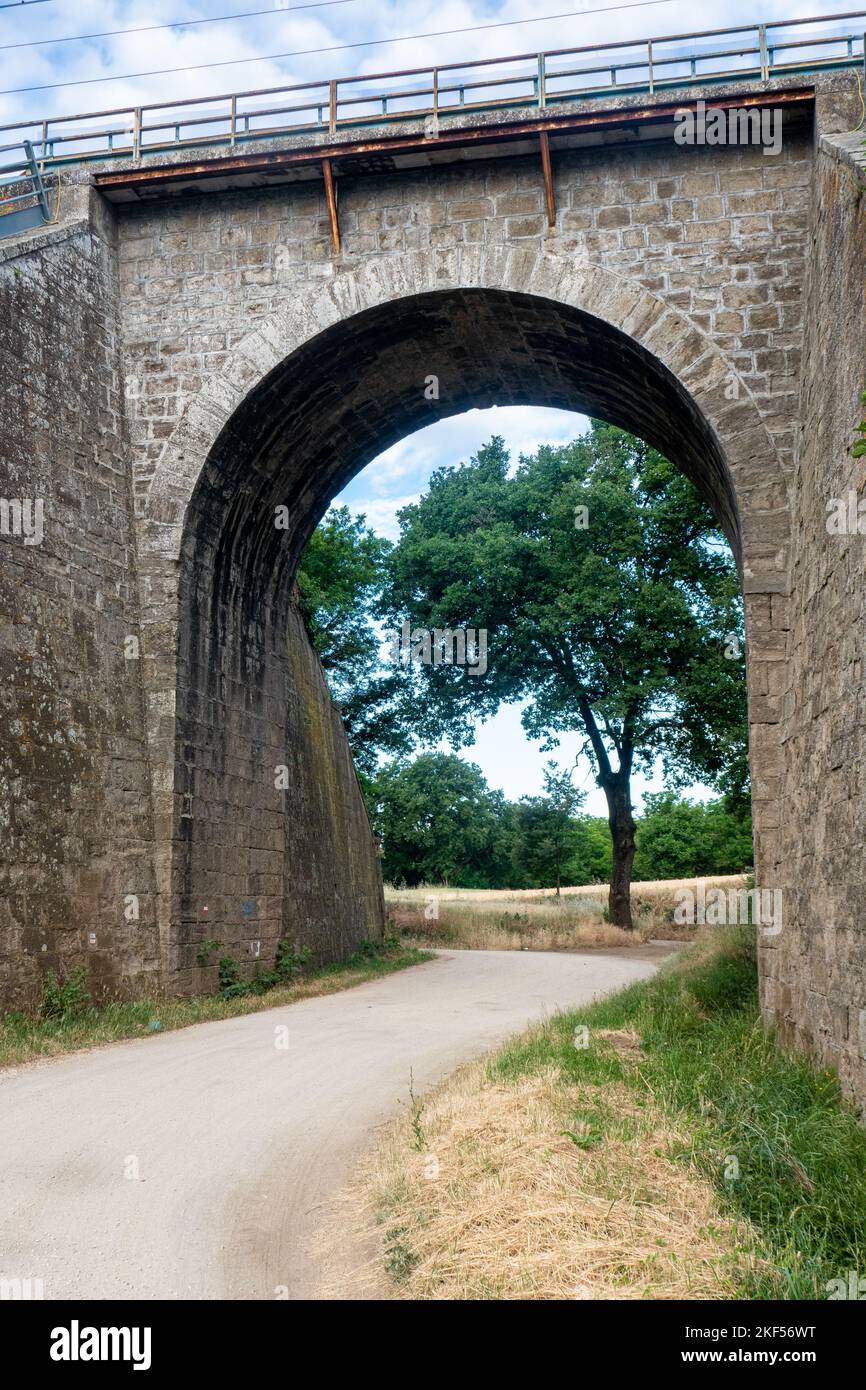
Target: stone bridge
point(198, 342)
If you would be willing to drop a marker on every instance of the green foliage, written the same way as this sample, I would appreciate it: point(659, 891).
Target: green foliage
point(231, 985)
point(374, 950)
point(288, 966)
point(439, 822)
point(339, 581)
point(291, 959)
point(206, 950)
point(680, 839)
point(419, 1138)
point(546, 835)
point(65, 998)
point(400, 1259)
point(859, 447)
point(590, 861)
point(616, 630)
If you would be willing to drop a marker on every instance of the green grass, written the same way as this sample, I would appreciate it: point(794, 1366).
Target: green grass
point(25, 1037)
point(800, 1146)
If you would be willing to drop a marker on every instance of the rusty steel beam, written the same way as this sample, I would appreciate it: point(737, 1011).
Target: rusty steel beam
point(549, 196)
point(331, 199)
point(401, 144)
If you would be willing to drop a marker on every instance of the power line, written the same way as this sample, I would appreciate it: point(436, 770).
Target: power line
point(333, 48)
point(178, 24)
point(19, 4)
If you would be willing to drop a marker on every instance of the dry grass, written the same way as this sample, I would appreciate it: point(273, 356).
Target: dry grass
point(510, 1196)
point(535, 919)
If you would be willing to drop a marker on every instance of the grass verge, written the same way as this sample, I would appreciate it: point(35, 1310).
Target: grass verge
point(25, 1037)
point(669, 1150)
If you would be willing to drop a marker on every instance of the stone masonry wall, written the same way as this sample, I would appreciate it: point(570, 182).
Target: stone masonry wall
point(721, 234)
point(80, 850)
point(76, 881)
point(814, 984)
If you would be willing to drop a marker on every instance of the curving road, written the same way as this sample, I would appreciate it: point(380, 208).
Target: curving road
point(194, 1164)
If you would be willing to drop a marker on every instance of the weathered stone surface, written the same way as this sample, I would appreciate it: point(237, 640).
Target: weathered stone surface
point(76, 873)
point(814, 985)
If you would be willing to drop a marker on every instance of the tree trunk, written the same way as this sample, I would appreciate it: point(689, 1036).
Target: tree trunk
point(621, 822)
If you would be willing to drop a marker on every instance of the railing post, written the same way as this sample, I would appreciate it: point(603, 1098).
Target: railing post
point(136, 132)
point(38, 185)
point(44, 138)
point(435, 91)
point(542, 94)
point(762, 39)
point(649, 49)
point(332, 106)
point(234, 120)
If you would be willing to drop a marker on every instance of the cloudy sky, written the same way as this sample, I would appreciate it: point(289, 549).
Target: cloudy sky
point(42, 76)
point(63, 57)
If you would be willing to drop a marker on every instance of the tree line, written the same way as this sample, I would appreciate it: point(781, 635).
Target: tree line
point(439, 822)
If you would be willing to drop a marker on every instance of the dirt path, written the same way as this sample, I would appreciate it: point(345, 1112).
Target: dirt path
point(195, 1164)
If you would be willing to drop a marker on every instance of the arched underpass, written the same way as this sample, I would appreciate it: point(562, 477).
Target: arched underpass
point(251, 861)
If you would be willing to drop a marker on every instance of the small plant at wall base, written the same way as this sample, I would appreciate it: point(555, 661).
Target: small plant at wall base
point(291, 959)
point(206, 950)
point(289, 964)
point(859, 447)
point(231, 986)
point(62, 999)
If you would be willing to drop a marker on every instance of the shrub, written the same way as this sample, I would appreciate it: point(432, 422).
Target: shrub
point(63, 999)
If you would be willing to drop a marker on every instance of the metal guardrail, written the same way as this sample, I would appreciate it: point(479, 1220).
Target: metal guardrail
point(24, 175)
point(453, 89)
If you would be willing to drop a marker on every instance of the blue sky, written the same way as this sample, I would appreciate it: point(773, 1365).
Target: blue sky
point(67, 78)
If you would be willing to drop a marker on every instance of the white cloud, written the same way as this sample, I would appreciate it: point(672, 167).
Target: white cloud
point(381, 514)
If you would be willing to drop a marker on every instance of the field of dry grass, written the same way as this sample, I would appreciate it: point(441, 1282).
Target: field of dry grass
point(535, 919)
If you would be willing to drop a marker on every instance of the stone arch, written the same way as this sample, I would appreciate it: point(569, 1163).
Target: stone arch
point(577, 336)
point(685, 350)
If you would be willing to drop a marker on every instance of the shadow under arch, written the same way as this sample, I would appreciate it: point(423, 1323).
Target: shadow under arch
point(244, 672)
point(361, 385)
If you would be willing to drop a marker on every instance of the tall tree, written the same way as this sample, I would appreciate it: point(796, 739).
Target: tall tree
point(608, 596)
point(339, 583)
point(439, 822)
point(546, 834)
